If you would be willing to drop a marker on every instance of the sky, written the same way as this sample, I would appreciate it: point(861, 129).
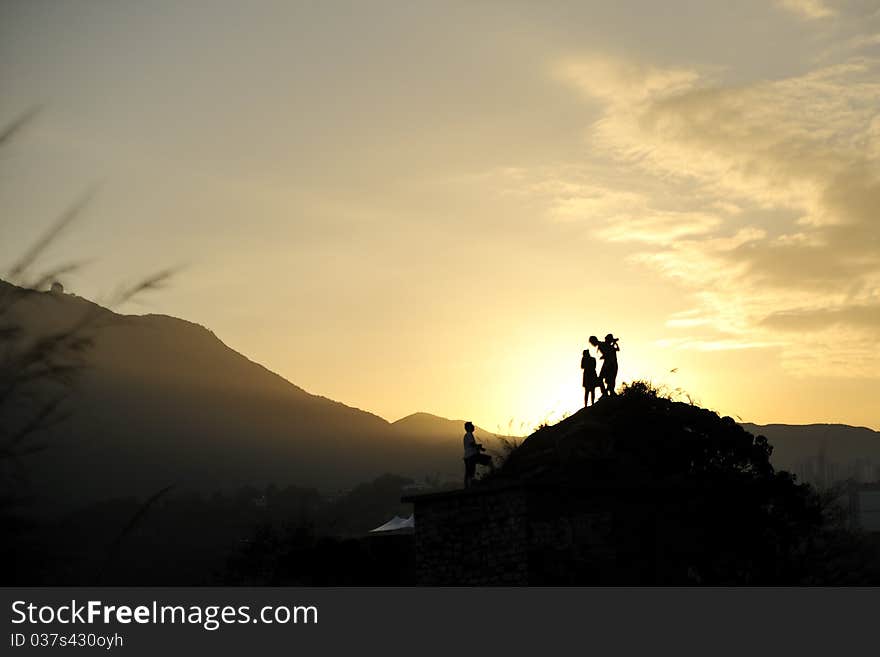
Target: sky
point(423, 206)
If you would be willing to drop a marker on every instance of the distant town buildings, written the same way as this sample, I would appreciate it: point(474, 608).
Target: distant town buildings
point(864, 507)
point(823, 473)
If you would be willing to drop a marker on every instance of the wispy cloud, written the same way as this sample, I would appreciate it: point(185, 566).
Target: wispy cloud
point(809, 9)
point(622, 81)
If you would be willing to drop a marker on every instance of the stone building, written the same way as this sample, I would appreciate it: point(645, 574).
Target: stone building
point(514, 534)
point(545, 533)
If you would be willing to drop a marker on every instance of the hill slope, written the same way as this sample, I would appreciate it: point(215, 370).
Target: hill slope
point(163, 401)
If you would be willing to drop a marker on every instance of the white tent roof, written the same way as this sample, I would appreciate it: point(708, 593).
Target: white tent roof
point(395, 523)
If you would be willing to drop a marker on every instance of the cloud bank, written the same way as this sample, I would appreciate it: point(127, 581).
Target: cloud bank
point(762, 199)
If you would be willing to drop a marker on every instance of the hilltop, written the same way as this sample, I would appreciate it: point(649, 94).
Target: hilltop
point(639, 436)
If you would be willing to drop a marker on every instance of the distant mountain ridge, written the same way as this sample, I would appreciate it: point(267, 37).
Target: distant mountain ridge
point(839, 450)
point(428, 425)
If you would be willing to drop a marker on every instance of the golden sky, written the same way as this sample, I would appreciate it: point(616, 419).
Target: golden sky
point(430, 206)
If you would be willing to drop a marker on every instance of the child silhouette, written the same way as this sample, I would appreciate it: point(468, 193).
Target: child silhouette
point(591, 380)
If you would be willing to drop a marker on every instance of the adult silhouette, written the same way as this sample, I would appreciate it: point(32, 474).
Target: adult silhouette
point(608, 353)
point(473, 455)
point(591, 380)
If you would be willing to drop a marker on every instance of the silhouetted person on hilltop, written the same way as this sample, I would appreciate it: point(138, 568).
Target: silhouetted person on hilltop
point(473, 455)
point(608, 353)
point(591, 381)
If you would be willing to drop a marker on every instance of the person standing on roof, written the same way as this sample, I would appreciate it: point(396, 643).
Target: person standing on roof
point(473, 455)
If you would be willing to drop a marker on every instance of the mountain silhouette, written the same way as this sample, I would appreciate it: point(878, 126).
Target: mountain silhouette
point(164, 401)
